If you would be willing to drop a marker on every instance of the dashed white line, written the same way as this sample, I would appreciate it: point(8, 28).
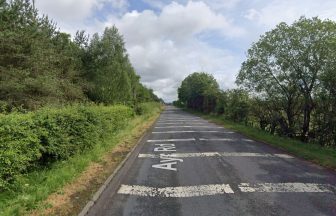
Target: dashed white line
point(167, 132)
point(187, 126)
point(286, 187)
point(174, 123)
point(219, 139)
point(172, 140)
point(184, 119)
point(216, 154)
point(248, 140)
point(181, 191)
point(163, 121)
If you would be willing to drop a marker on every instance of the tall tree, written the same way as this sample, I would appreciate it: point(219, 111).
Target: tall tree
point(199, 91)
point(109, 68)
point(285, 65)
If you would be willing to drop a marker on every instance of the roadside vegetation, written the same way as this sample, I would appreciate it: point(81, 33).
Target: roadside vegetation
point(31, 192)
point(64, 101)
point(286, 88)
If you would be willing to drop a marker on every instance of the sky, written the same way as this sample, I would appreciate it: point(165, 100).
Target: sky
point(168, 40)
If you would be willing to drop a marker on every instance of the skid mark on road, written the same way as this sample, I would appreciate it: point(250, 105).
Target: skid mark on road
point(215, 154)
point(182, 191)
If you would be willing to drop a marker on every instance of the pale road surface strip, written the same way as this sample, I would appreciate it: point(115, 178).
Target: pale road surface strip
point(200, 172)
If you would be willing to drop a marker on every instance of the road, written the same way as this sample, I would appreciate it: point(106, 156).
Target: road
point(188, 166)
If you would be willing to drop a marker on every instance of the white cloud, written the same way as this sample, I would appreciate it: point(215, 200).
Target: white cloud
point(164, 47)
point(73, 15)
point(179, 37)
point(252, 14)
point(277, 11)
point(68, 10)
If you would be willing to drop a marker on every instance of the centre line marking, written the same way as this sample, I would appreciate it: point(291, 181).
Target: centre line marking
point(218, 139)
point(181, 120)
point(248, 140)
point(167, 132)
point(174, 123)
point(216, 154)
point(172, 140)
point(286, 187)
point(181, 191)
point(187, 126)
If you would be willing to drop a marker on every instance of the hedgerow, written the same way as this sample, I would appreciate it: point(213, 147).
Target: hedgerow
point(50, 134)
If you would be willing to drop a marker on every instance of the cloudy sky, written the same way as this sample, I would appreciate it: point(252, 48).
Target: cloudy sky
point(167, 40)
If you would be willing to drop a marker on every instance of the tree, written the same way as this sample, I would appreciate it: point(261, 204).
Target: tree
point(199, 91)
point(108, 68)
point(36, 62)
point(284, 66)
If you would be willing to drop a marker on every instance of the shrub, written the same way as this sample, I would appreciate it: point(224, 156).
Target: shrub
point(19, 146)
point(51, 134)
point(147, 108)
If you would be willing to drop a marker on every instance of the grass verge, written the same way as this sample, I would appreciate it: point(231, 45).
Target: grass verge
point(312, 152)
point(66, 186)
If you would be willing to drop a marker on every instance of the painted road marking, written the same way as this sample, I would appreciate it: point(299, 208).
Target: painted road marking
point(248, 140)
point(219, 139)
point(165, 147)
point(181, 191)
point(184, 119)
point(167, 161)
point(219, 189)
point(167, 132)
point(286, 187)
point(225, 139)
point(187, 126)
point(216, 154)
point(160, 121)
point(172, 140)
point(173, 123)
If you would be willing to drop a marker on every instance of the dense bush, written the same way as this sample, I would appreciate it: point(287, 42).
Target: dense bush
point(147, 108)
point(19, 145)
point(50, 134)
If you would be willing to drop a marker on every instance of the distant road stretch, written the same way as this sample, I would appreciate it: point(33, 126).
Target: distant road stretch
point(188, 166)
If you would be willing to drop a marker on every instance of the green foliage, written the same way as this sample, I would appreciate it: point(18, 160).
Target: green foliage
point(35, 186)
point(19, 146)
point(199, 91)
point(40, 65)
point(41, 137)
point(290, 71)
point(37, 63)
point(147, 108)
point(236, 105)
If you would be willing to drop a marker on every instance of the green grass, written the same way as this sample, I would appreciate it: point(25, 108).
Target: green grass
point(320, 155)
point(36, 186)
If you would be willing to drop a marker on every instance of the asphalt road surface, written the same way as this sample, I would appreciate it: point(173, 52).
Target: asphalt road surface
point(188, 166)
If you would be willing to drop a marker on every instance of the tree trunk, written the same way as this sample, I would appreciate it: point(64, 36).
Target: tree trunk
point(306, 122)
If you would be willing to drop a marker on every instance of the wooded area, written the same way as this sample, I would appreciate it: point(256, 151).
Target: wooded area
point(286, 85)
point(60, 96)
point(41, 65)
